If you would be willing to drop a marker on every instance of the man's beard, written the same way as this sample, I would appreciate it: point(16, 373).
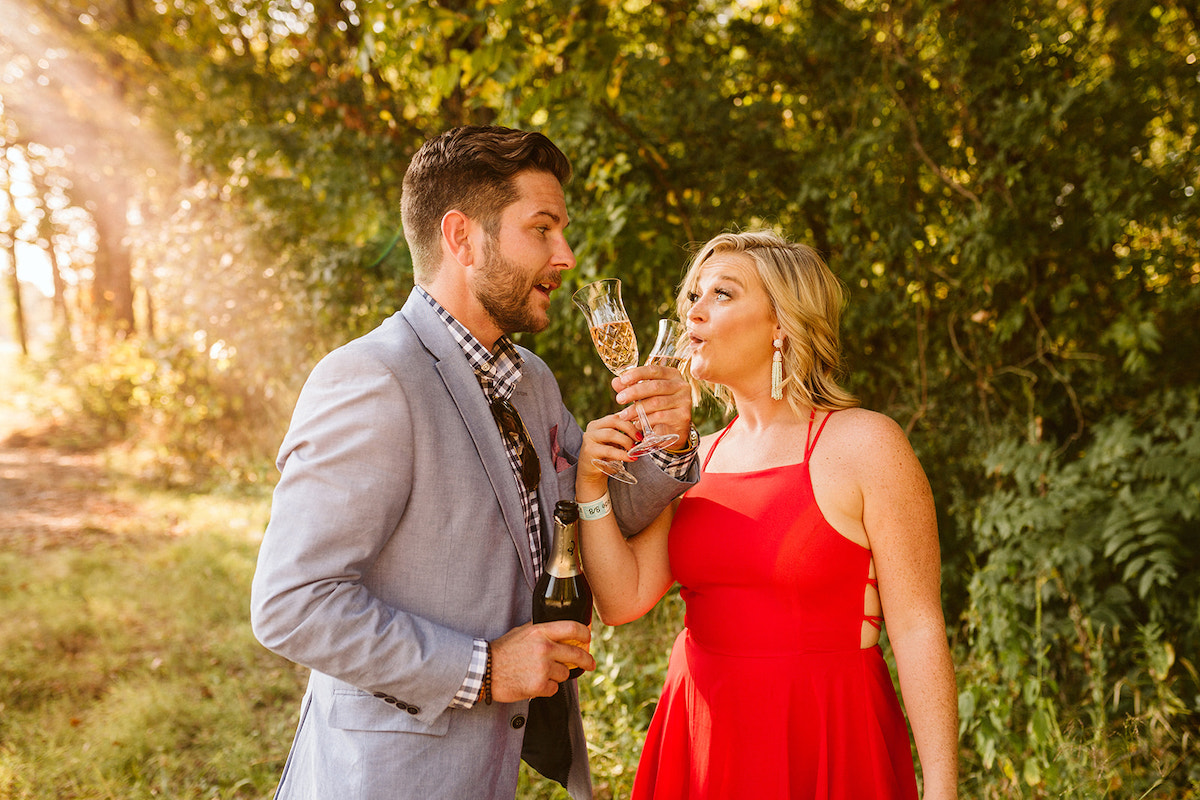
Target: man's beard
point(503, 291)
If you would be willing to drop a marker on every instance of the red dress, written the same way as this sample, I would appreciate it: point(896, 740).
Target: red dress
point(768, 693)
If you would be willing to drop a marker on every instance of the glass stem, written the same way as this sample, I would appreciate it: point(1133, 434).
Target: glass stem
point(646, 431)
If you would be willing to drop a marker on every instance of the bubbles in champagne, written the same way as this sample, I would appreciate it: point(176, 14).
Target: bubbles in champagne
point(616, 344)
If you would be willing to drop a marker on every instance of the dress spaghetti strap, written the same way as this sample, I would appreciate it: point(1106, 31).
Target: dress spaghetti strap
point(713, 449)
point(810, 441)
point(810, 446)
point(875, 622)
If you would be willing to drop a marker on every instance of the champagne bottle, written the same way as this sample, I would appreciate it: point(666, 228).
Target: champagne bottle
point(562, 592)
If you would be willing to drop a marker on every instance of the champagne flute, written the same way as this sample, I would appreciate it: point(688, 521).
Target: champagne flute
point(669, 350)
point(612, 334)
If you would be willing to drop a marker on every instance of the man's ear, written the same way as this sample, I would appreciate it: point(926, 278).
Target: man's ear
point(456, 236)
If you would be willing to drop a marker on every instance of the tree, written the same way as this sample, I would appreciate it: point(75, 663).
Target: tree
point(12, 223)
point(62, 104)
point(1007, 189)
point(50, 192)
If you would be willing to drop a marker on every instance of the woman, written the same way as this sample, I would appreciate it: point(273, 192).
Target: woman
point(812, 521)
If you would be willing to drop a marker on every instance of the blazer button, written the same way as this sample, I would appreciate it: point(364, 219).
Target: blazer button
point(518, 722)
point(413, 710)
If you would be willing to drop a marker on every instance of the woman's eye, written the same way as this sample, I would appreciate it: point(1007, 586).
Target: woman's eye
point(692, 297)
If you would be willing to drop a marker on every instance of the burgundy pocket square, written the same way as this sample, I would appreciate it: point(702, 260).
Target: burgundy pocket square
point(560, 461)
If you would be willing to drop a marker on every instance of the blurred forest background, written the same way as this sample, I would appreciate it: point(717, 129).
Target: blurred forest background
point(207, 194)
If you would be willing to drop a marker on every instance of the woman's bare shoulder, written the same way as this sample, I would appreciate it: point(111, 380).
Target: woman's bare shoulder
point(867, 426)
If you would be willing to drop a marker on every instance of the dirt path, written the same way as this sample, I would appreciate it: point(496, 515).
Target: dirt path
point(51, 496)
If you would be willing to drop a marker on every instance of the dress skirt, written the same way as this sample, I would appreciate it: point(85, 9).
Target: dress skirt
point(803, 726)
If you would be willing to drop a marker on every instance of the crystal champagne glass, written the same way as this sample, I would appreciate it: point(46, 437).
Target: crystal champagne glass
point(612, 334)
point(670, 350)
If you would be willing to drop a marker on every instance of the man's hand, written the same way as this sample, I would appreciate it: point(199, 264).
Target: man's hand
point(666, 397)
point(531, 661)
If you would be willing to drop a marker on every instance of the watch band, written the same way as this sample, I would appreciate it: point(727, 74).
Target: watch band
point(692, 443)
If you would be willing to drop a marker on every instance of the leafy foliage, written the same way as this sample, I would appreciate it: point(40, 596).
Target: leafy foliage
point(1082, 618)
point(1007, 189)
point(184, 401)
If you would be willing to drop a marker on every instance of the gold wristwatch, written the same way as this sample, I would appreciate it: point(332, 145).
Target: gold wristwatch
point(693, 442)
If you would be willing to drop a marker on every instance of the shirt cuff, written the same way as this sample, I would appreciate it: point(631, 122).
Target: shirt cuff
point(468, 693)
point(675, 464)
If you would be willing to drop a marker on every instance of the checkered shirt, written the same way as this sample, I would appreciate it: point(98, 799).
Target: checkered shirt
point(498, 371)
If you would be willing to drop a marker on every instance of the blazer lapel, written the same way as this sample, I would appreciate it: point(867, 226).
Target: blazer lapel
point(467, 395)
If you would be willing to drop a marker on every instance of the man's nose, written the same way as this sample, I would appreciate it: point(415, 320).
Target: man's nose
point(564, 256)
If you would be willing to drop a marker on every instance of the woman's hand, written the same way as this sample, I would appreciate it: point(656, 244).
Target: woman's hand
point(609, 439)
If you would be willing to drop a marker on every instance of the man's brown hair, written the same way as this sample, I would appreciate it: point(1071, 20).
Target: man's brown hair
point(472, 169)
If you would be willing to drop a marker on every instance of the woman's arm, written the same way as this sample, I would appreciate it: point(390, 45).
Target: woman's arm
point(901, 525)
point(627, 576)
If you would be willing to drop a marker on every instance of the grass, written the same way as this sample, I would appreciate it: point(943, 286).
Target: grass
point(130, 670)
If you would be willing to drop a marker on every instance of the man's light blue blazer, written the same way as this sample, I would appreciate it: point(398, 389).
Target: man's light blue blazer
point(396, 538)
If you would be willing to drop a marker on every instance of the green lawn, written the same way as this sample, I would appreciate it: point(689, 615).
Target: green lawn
point(129, 669)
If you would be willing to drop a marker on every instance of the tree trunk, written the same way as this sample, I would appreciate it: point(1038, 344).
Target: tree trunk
point(15, 284)
point(112, 289)
point(62, 314)
point(13, 223)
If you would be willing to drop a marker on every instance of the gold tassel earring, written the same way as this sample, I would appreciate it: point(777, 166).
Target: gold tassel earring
point(777, 371)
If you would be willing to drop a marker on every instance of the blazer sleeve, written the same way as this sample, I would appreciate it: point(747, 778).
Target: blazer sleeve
point(346, 474)
point(635, 506)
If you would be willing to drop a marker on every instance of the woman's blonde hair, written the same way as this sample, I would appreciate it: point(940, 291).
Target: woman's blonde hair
point(807, 299)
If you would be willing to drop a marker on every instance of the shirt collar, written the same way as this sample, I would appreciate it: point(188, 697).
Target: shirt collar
point(499, 369)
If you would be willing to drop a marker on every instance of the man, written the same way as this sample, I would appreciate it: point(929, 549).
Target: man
point(417, 481)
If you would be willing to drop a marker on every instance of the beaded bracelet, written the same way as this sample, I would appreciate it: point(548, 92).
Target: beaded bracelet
point(487, 677)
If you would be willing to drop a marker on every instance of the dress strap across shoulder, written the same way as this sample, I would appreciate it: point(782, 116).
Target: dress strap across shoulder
point(810, 441)
point(713, 449)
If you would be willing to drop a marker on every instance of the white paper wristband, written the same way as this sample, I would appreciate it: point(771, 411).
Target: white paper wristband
point(596, 508)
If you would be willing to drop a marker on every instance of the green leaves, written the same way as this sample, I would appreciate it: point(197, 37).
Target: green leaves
point(1091, 547)
point(1007, 190)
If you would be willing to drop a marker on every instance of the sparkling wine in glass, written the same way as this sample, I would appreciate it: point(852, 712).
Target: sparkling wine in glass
point(670, 350)
point(612, 334)
point(671, 347)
